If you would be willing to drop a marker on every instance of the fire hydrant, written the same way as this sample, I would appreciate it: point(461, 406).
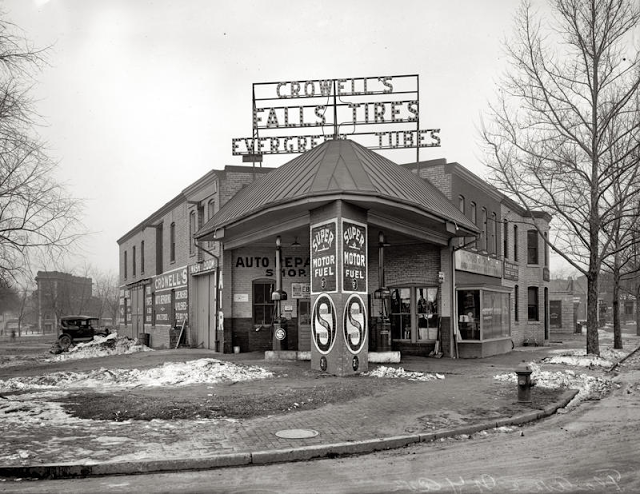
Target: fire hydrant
point(524, 383)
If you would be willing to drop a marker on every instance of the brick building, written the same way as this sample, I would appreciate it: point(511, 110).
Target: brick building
point(565, 302)
point(447, 259)
point(501, 276)
point(165, 277)
point(60, 294)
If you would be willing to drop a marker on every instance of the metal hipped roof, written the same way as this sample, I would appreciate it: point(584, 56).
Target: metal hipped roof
point(341, 167)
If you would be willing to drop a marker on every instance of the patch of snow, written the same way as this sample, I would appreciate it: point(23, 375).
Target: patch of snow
point(578, 361)
point(35, 409)
point(207, 371)
point(606, 353)
point(589, 387)
point(393, 373)
point(103, 346)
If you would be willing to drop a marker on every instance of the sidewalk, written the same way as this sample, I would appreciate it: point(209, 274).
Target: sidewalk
point(466, 401)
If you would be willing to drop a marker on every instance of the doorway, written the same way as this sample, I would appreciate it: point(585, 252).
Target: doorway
point(304, 324)
point(205, 311)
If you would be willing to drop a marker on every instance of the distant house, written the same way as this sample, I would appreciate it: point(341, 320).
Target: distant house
point(60, 294)
point(568, 303)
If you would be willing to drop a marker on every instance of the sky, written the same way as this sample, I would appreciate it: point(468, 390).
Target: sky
point(142, 98)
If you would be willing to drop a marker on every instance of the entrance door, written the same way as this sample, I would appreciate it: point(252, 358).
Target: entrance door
point(555, 313)
point(205, 324)
point(304, 324)
point(137, 311)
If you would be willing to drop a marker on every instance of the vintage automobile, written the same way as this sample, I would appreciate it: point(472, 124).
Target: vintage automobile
point(77, 329)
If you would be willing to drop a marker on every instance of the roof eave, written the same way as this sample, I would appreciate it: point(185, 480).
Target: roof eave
point(309, 200)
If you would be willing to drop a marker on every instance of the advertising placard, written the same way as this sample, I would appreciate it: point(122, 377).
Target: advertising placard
point(323, 326)
point(300, 290)
point(354, 257)
point(172, 297)
point(473, 262)
point(355, 324)
point(324, 258)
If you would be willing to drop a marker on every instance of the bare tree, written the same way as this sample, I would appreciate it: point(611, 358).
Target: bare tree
point(106, 292)
point(550, 131)
point(37, 216)
point(621, 226)
point(9, 297)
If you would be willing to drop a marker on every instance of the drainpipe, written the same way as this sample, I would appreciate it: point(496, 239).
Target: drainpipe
point(217, 306)
point(454, 302)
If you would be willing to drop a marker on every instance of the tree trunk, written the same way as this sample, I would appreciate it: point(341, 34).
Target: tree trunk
point(593, 346)
point(638, 309)
point(617, 330)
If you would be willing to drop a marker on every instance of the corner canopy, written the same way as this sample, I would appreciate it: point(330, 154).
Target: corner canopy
point(337, 169)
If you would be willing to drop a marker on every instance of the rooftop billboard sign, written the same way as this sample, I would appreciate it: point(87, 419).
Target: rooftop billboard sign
point(388, 106)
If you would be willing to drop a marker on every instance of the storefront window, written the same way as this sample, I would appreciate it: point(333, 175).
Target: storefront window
point(414, 313)
point(427, 312)
point(469, 314)
point(483, 314)
point(401, 313)
point(495, 315)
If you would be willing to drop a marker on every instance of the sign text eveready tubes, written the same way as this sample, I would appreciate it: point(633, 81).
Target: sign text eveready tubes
point(336, 108)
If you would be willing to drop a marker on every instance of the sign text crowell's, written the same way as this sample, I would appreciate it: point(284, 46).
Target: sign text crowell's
point(386, 106)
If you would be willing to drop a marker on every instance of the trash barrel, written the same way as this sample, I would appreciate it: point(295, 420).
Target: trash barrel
point(143, 339)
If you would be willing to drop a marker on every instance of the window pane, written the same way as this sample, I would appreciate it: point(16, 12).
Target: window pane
point(532, 247)
point(532, 294)
point(258, 293)
point(268, 314)
point(495, 315)
point(427, 312)
point(405, 300)
point(258, 314)
point(401, 313)
point(469, 314)
point(505, 240)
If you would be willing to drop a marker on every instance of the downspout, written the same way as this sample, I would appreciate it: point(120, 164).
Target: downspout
point(217, 306)
point(454, 302)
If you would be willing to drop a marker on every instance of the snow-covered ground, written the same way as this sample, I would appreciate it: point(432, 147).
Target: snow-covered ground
point(400, 373)
point(201, 371)
point(33, 400)
point(588, 386)
point(102, 346)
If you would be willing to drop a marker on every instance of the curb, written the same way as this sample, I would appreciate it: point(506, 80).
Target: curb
point(69, 471)
point(633, 352)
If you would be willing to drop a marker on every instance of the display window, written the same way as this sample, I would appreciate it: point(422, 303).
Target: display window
point(414, 313)
point(483, 314)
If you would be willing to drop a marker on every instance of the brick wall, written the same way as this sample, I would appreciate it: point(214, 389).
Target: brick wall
point(528, 276)
point(438, 177)
point(219, 190)
point(417, 264)
point(236, 178)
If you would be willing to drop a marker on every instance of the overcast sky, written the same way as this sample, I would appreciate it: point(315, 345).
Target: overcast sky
point(143, 97)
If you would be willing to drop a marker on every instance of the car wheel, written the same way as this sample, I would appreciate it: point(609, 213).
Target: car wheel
point(65, 341)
